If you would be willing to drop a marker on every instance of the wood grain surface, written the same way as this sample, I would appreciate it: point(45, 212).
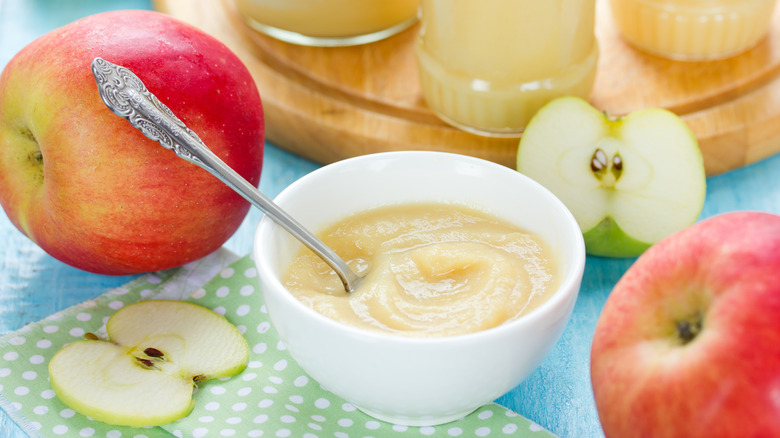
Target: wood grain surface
point(327, 104)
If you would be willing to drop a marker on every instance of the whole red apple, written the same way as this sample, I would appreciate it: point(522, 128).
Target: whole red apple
point(688, 343)
point(89, 188)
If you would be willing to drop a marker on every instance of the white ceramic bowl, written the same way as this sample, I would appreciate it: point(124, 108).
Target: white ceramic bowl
point(415, 381)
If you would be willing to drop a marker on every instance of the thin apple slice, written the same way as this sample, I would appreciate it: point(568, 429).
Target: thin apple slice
point(146, 373)
point(99, 379)
point(629, 182)
point(201, 342)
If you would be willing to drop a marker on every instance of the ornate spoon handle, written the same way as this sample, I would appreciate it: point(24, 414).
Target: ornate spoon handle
point(124, 93)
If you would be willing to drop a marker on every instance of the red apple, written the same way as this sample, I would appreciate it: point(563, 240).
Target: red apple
point(688, 343)
point(89, 188)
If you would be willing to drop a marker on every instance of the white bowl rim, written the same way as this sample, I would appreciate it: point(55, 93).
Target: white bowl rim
point(569, 283)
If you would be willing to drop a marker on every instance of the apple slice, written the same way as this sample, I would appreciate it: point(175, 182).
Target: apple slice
point(629, 181)
point(146, 373)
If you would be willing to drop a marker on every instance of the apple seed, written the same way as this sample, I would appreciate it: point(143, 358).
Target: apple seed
point(145, 362)
point(598, 163)
point(153, 352)
point(617, 162)
point(601, 168)
point(90, 336)
point(617, 166)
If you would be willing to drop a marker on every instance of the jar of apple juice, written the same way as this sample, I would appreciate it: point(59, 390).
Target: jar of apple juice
point(487, 66)
point(329, 23)
point(693, 29)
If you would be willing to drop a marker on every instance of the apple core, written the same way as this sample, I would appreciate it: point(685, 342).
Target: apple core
point(606, 170)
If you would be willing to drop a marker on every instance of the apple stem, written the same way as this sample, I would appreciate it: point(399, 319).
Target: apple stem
point(610, 117)
point(688, 330)
point(36, 157)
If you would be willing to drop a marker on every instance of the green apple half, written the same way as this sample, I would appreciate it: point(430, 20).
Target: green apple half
point(146, 373)
point(629, 181)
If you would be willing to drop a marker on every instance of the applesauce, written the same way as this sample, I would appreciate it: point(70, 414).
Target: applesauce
point(431, 270)
point(329, 22)
point(487, 66)
point(693, 29)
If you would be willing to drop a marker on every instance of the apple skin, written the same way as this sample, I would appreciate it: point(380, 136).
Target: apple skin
point(607, 239)
point(688, 343)
point(89, 188)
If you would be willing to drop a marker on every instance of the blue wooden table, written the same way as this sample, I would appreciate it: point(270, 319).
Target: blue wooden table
point(557, 396)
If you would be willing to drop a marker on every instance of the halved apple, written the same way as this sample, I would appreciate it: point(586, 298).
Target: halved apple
point(628, 181)
point(146, 373)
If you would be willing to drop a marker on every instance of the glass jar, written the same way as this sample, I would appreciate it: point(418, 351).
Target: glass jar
point(329, 22)
point(487, 66)
point(693, 29)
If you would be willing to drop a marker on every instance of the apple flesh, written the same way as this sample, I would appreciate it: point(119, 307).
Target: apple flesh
point(688, 343)
point(89, 188)
point(629, 182)
point(145, 374)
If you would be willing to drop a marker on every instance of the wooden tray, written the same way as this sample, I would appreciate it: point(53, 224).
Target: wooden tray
point(328, 104)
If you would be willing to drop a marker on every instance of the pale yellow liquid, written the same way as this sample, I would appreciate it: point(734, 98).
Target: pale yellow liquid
point(329, 18)
point(489, 65)
point(693, 29)
point(432, 270)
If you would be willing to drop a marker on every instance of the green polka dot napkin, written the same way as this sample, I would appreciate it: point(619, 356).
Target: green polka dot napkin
point(272, 397)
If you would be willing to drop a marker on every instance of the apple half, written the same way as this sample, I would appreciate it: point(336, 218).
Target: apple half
point(145, 374)
point(628, 181)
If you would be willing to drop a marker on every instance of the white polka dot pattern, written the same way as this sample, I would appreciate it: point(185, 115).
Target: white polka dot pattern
point(272, 397)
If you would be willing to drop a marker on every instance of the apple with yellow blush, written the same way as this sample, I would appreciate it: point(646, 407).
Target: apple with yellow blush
point(688, 342)
point(89, 188)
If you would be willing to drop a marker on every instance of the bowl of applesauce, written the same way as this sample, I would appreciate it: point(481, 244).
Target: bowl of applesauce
point(470, 274)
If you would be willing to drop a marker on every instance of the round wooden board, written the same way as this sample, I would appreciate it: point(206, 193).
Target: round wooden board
point(327, 104)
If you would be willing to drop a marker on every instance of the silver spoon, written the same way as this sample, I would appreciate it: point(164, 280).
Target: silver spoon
point(124, 93)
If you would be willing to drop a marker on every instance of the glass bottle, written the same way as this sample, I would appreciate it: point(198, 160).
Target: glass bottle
point(487, 66)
